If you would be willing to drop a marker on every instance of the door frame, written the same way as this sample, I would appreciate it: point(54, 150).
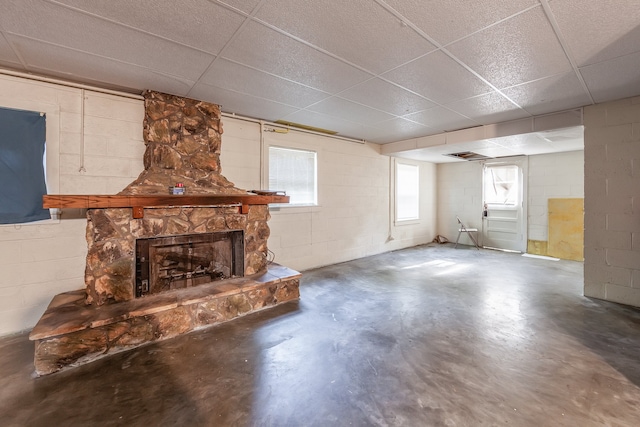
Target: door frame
point(523, 163)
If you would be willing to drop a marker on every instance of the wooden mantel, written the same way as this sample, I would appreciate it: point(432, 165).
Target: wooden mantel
point(139, 202)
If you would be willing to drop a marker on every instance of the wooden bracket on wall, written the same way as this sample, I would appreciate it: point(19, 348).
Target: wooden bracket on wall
point(137, 212)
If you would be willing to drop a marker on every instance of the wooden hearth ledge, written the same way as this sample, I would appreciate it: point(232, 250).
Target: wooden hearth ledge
point(139, 202)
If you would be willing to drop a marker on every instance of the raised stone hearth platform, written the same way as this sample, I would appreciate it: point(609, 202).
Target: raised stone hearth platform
point(72, 333)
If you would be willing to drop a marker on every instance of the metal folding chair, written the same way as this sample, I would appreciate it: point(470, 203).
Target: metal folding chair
point(464, 229)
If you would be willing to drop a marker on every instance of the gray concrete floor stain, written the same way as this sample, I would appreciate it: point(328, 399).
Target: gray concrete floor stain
point(427, 336)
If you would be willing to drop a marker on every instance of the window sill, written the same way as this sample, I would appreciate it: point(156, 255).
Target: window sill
point(282, 208)
point(407, 222)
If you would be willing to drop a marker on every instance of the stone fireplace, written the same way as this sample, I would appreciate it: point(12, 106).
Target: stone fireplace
point(159, 265)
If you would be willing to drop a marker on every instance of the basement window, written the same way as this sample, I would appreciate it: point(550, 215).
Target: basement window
point(22, 166)
point(295, 172)
point(407, 192)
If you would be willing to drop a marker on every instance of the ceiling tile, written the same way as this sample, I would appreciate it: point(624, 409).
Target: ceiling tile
point(498, 151)
point(518, 50)
point(468, 146)
point(356, 112)
point(615, 79)
point(245, 6)
point(6, 53)
point(387, 97)
point(11, 65)
point(242, 104)
point(559, 140)
point(102, 38)
point(453, 19)
point(377, 40)
point(489, 108)
point(441, 119)
point(432, 76)
point(260, 47)
point(393, 130)
point(556, 93)
point(275, 63)
point(427, 156)
point(102, 72)
point(569, 139)
point(198, 23)
point(344, 127)
point(240, 78)
point(600, 30)
point(518, 142)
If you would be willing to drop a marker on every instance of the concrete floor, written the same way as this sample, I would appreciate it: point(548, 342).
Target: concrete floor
point(428, 336)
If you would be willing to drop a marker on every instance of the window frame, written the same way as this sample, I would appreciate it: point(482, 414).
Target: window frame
point(315, 175)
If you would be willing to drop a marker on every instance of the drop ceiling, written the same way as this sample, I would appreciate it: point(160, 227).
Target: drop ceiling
point(378, 70)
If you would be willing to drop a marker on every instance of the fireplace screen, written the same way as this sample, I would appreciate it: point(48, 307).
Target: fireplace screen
point(176, 262)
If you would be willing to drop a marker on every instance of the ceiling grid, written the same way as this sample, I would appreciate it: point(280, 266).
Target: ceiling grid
point(383, 71)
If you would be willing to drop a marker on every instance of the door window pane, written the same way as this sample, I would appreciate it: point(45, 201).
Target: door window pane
point(501, 185)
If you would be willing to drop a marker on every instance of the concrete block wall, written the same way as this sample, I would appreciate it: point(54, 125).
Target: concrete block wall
point(612, 201)
point(557, 175)
point(352, 219)
point(40, 260)
point(459, 194)
point(411, 233)
point(113, 145)
point(44, 259)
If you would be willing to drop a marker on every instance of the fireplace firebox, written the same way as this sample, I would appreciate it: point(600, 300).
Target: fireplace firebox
point(175, 262)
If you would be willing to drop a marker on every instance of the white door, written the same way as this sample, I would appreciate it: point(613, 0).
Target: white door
point(504, 225)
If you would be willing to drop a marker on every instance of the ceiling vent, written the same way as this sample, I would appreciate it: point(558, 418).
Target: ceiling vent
point(468, 155)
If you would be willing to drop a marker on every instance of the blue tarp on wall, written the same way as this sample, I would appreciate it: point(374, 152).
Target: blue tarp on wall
point(22, 176)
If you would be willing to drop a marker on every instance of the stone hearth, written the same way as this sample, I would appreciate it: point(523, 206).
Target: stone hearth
point(72, 333)
point(183, 139)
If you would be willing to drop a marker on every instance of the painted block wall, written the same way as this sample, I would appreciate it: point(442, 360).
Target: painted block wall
point(612, 195)
point(549, 176)
point(459, 194)
point(352, 217)
point(42, 260)
point(557, 175)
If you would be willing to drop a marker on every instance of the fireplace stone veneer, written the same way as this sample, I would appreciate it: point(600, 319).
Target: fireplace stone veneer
point(112, 235)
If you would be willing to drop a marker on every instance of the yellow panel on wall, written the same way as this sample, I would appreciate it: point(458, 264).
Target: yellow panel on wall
point(566, 229)
point(537, 247)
